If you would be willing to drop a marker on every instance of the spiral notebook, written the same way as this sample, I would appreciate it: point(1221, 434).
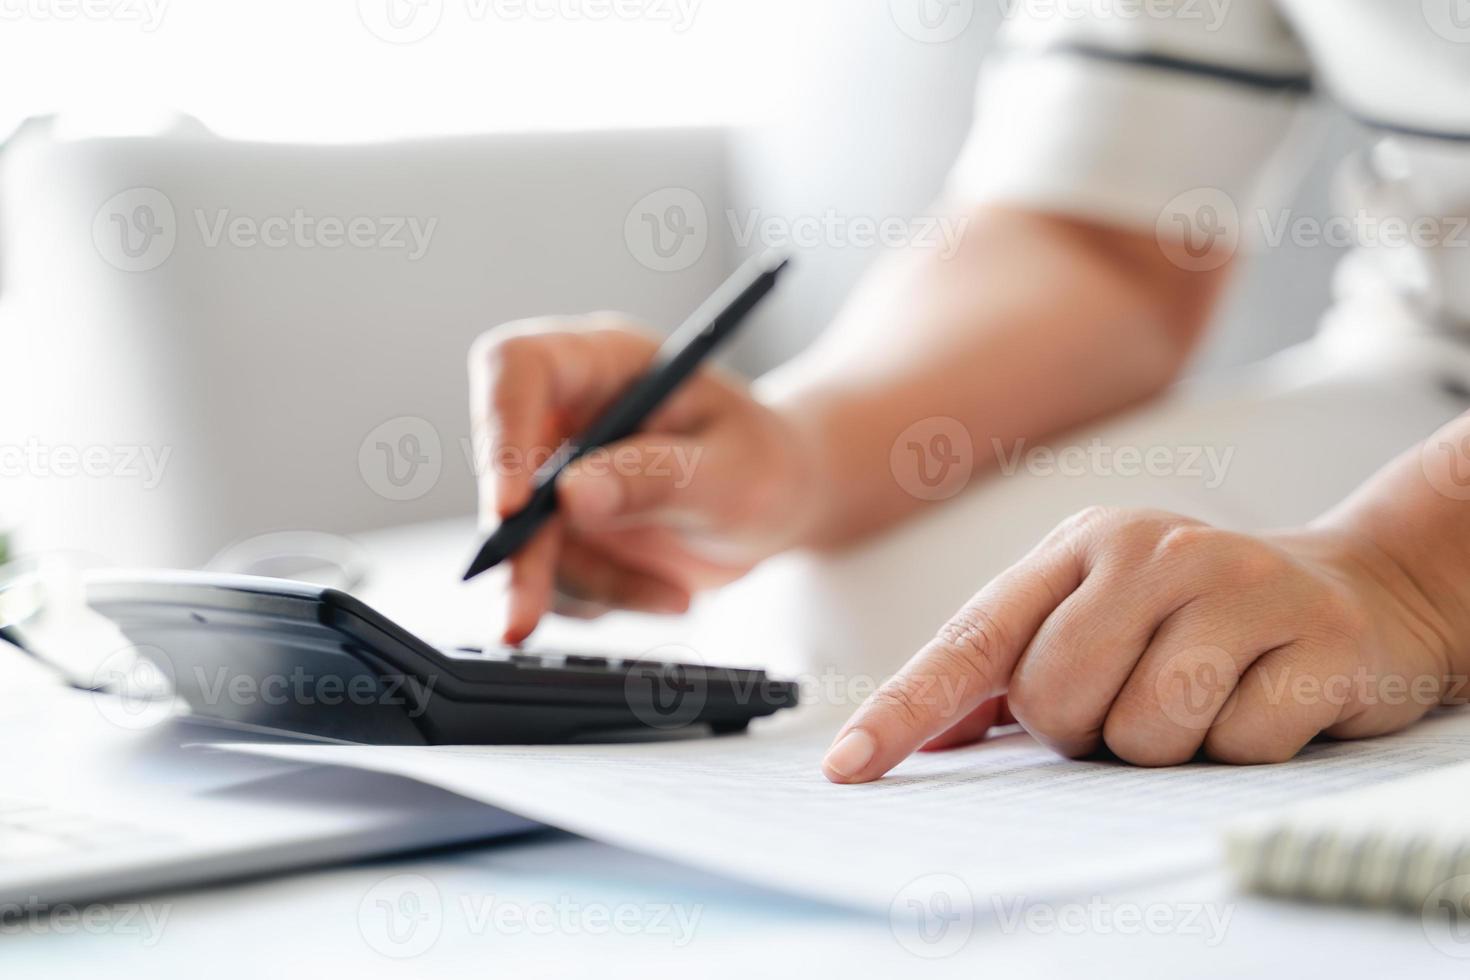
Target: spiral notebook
point(1402, 844)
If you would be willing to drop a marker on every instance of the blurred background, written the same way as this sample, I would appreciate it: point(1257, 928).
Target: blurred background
point(244, 246)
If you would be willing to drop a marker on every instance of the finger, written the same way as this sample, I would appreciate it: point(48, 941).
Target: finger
point(651, 477)
point(564, 605)
point(1184, 680)
point(967, 663)
point(531, 386)
point(510, 407)
point(1080, 658)
point(973, 727)
point(1267, 719)
point(589, 576)
point(531, 573)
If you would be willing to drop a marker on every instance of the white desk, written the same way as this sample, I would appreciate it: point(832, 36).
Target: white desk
point(556, 904)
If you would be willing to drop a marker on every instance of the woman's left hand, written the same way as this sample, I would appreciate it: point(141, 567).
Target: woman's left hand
point(1159, 638)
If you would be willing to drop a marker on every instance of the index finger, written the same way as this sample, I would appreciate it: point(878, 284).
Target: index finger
point(521, 375)
point(969, 661)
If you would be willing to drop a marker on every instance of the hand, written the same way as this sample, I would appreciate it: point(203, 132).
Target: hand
point(715, 482)
point(1158, 637)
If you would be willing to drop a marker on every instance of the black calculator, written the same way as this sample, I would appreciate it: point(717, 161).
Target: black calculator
point(302, 659)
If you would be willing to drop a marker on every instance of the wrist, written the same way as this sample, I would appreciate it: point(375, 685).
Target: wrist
point(1407, 609)
point(807, 502)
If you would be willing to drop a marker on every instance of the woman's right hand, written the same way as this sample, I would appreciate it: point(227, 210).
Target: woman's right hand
point(713, 483)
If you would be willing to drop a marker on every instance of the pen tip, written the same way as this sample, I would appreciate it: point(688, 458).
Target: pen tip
point(774, 260)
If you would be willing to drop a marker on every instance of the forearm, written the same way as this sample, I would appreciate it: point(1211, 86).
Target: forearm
point(1035, 325)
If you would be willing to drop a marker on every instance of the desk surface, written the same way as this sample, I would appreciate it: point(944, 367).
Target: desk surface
point(553, 903)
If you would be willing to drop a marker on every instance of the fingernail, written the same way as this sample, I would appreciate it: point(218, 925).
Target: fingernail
point(589, 495)
point(849, 756)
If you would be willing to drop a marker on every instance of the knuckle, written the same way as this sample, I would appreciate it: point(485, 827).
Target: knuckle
point(1036, 705)
point(1150, 743)
point(491, 343)
point(1089, 520)
point(1240, 746)
point(1186, 542)
point(898, 699)
point(971, 640)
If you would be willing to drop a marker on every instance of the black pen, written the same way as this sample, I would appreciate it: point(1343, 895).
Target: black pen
point(675, 361)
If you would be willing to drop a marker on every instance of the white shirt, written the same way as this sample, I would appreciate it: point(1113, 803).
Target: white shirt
point(1174, 117)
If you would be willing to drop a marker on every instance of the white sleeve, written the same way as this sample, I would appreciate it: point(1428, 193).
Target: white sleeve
point(1110, 109)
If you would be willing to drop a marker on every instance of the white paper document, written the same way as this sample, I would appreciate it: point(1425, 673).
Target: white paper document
point(1006, 817)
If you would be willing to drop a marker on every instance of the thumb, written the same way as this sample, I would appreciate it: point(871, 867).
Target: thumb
point(654, 476)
